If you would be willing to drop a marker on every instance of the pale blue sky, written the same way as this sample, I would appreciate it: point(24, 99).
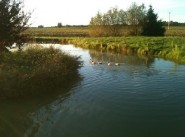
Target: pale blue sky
point(79, 12)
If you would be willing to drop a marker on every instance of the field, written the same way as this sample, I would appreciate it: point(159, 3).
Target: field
point(59, 32)
point(84, 32)
point(175, 31)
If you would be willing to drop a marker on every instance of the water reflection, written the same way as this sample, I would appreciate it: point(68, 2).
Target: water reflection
point(123, 58)
point(17, 117)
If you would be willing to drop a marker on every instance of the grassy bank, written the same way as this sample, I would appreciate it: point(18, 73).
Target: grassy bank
point(35, 70)
point(172, 48)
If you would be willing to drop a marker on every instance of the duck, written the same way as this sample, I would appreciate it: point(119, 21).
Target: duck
point(99, 62)
point(117, 64)
point(109, 64)
point(92, 62)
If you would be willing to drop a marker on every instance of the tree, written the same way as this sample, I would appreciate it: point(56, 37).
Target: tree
point(13, 21)
point(96, 26)
point(59, 25)
point(107, 24)
point(41, 26)
point(113, 20)
point(135, 18)
point(153, 26)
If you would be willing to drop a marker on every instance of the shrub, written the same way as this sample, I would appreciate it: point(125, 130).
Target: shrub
point(35, 70)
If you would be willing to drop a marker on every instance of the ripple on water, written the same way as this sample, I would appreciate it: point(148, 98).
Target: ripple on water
point(129, 100)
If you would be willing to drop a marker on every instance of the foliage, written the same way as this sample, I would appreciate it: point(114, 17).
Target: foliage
point(13, 21)
point(173, 23)
point(41, 26)
point(34, 69)
point(135, 18)
point(152, 26)
point(59, 25)
point(108, 24)
point(113, 21)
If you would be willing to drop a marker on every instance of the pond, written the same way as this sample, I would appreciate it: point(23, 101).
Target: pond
point(142, 97)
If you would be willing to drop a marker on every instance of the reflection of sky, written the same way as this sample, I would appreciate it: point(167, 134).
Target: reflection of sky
point(168, 66)
point(71, 50)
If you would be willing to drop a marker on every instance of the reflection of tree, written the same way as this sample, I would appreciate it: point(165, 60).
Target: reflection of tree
point(125, 58)
point(16, 116)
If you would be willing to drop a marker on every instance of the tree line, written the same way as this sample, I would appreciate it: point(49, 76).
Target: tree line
point(173, 23)
point(135, 21)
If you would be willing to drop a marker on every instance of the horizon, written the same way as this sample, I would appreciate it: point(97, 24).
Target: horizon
point(79, 12)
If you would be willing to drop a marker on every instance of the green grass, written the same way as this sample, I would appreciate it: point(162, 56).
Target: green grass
point(172, 48)
point(35, 70)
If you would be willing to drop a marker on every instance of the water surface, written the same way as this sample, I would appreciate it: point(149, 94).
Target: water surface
point(143, 97)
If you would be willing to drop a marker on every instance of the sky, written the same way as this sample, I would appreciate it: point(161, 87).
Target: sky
point(79, 12)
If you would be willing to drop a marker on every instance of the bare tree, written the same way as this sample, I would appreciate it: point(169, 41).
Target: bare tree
point(108, 24)
point(135, 18)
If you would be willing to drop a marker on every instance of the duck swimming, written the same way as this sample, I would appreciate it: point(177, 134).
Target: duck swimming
point(117, 64)
point(92, 62)
point(109, 64)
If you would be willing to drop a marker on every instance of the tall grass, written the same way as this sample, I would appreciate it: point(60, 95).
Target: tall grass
point(172, 48)
point(35, 70)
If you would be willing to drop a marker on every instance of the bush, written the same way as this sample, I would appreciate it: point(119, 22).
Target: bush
point(35, 70)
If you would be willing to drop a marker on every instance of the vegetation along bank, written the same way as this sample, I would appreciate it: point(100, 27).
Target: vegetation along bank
point(36, 71)
point(172, 48)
